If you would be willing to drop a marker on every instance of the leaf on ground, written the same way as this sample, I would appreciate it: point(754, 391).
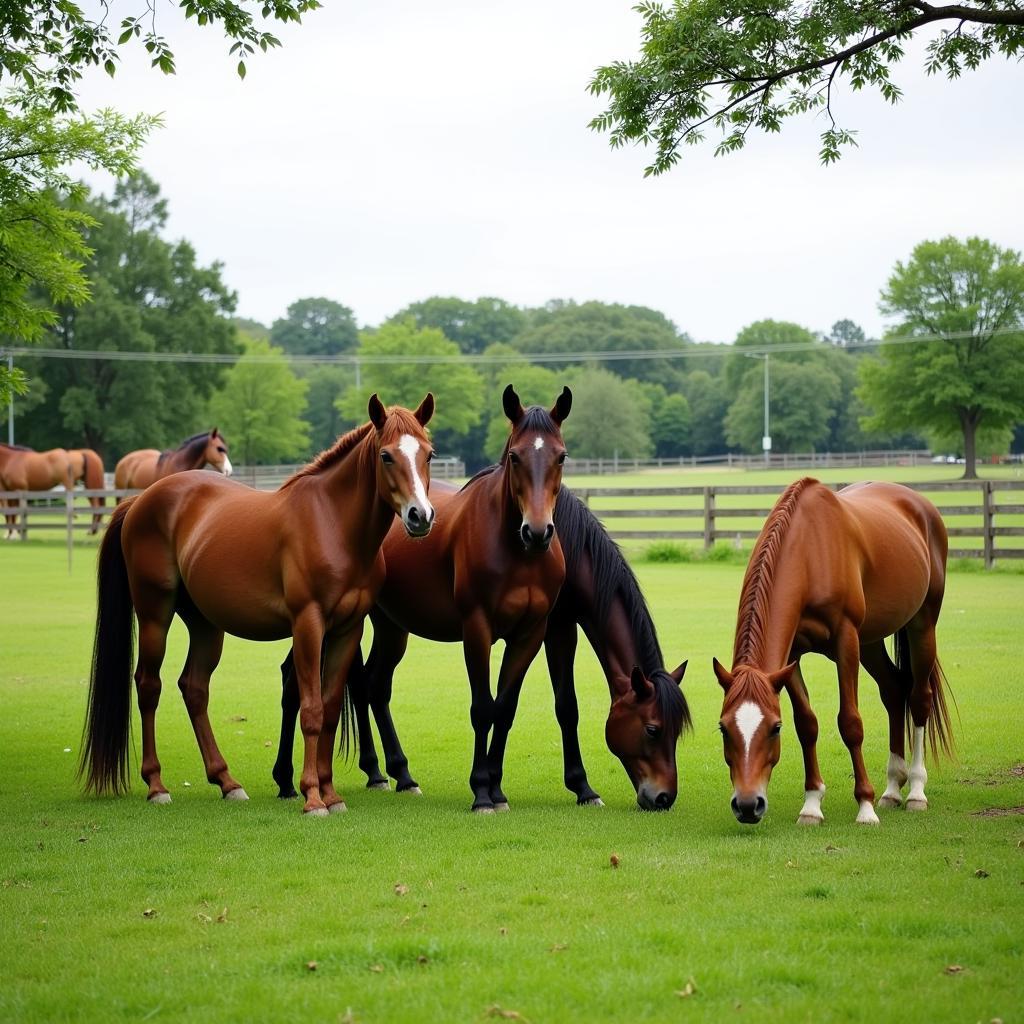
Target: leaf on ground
point(311, 965)
point(792, 864)
point(238, 718)
point(497, 1011)
point(222, 917)
point(503, 931)
point(689, 989)
point(981, 873)
point(149, 912)
point(558, 947)
point(83, 839)
point(377, 968)
point(423, 959)
point(405, 920)
point(187, 785)
point(615, 860)
point(953, 969)
point(267, 743)
point(832, 849)
point(401, 890)
point(204, 918)
point(348, 1017)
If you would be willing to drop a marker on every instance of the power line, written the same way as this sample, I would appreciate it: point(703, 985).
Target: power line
point(706, 350)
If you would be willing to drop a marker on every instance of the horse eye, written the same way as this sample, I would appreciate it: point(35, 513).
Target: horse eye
point(386, 458)
point(652, 730)
point(775, 729)
point(430, 456)
point(561, 458)
point(722, 729)
point(513, 458)
point(222, 449)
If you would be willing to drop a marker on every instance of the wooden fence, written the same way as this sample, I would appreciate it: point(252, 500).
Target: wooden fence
point(775, 460)
point(983, 517)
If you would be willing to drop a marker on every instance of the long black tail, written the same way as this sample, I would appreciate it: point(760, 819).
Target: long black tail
point(105, 738)
point(940, 726)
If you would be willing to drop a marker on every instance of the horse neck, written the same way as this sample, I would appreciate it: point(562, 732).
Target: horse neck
point(765, 634)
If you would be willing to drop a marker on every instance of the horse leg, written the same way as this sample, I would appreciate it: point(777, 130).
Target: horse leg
point(339, 650)
point(283, 768)
point(476, 646)
point(560, 652)
point(206, 642)
point(389, 647)
point(307, 639)
point(806, 723)
point(519, 653)
point(358, 687)
point(154, 607)
point(851, 726)
point(923, 659)
point(893, 688)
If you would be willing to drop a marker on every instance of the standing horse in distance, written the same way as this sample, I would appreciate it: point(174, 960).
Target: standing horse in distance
point(491, 570)
point(24, 469)
point(835, 573)
point(302, 562)
point(87, 468)
point(600, 595)
point(138, 469)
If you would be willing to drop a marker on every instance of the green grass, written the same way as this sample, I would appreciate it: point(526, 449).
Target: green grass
point(520, 911)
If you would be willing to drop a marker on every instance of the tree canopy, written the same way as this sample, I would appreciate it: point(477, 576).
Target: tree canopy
point(966, 299)
point(471, 325)
point(316, 327)
point(732, 66)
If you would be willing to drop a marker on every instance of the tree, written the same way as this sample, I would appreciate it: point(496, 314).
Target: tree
point(796, 344)
point(457, 387)
point(709, 402)
point(670, 426)
point(610, 416)
point(316, 327)
point(260, 406)
point(845, 333)
point(965, 300)
point(735, 67)
point(41, 238)
point(148, 295)
point(326, 385)
point(471, 325)
point(803, 399)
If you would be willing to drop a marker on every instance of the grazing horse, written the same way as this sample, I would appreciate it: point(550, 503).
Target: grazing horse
point(23, 469)
point(303, 561)
point(87, 467)
point(835, 573)
point(138, 469)
point(601, 595)
point(491, 570)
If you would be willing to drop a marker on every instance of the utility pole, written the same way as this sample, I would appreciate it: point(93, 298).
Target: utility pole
point(10, 402)
point(766, 440)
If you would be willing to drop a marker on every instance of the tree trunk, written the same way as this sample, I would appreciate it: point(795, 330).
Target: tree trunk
point(969, 422)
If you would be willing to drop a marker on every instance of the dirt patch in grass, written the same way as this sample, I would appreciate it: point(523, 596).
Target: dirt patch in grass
point(997, 812)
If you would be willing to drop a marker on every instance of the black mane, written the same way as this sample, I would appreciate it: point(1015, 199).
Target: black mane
point(190, 444)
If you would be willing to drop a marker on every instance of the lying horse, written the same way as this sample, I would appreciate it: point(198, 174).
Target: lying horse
point(303, 561)
point(835, 574)
point(138, 469)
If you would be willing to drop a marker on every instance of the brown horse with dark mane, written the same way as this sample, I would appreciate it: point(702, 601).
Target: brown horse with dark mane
point(87, 468)
point(24, 469)
point(491, 570)
point(138, 469)
point(303, 561)
point(835, 573)
point(602, 597)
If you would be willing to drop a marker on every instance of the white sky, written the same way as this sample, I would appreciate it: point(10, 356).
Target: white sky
point(395, 150)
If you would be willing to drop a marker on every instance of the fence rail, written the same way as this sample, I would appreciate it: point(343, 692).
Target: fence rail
point(978, 514)
point(775, 460)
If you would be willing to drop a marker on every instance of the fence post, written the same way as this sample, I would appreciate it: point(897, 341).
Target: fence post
point(69, 506)
point(709, 518)
point(23, 514)
point(987, 524)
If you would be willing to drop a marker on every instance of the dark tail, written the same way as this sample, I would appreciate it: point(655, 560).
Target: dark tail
point(105, 738)
point(348, 732)
point(940, 725)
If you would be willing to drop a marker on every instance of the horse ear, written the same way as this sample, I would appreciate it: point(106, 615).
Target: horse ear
point(560, 410)
point(677, 674)
point(510, 403)
point(723, 674)
point(780, 680)
point(213, 433)
point(425, 410)
point(641, 685)
point(378, 414)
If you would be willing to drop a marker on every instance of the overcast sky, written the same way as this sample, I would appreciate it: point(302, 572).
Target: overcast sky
point(399, 149)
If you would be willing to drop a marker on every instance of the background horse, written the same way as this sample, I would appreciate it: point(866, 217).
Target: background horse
point(491, 570)
point(87, 467)
point(303, 561)
point(23, 469)
point(138, 469)
point(835, 574)
point(601, 595)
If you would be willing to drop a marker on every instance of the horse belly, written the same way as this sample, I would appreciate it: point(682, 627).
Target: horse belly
point(424, 606)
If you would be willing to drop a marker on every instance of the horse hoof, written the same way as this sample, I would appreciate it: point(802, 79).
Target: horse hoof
point(338, 808)
point(592, 802)
point(889, 801)
point(809, 819)
point(484, 809)
point(501, 806)
point(917, 804)
point(315, 812)
point(287, 795)
point(160, 798)
point(385, 785)
point(412, 790)
point(867, 816)
point(236, 794)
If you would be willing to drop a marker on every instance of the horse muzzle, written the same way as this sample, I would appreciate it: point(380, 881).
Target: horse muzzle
point(534, 539)
point(651, 798)
point(417, 521)
point(749, 809)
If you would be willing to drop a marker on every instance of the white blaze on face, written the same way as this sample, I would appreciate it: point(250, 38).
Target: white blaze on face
point(409, 446)
point(227, 470)
point(538, 443)
point(748, 717)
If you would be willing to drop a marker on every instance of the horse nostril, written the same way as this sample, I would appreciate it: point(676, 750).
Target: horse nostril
point(433, 512)
point(524, 532)
point(549, 532)
point(413, 516)
point(663, 801)
point(760, 806)
point(735, 805)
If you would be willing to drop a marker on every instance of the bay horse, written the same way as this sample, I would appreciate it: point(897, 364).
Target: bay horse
point(303, 561)
point(600, 595)
point(24, 469)
point(87, 468)
point(835, 573)
point(491, 570)
point(138, 469)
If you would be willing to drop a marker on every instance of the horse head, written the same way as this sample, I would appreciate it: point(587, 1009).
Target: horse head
point(216, 453)
point(532, 462)
point(404, 452)
point(751, 723)
point(642, 730)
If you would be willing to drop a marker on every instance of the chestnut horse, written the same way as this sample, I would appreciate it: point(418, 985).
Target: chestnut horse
point(24, 469)
point(490, 571)
point(601, 595)
point(138, 469)
point(303, 561)
point(835, 574)
point(87, 467)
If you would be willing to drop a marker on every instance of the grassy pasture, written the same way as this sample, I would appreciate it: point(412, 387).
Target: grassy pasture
point(415, 910)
